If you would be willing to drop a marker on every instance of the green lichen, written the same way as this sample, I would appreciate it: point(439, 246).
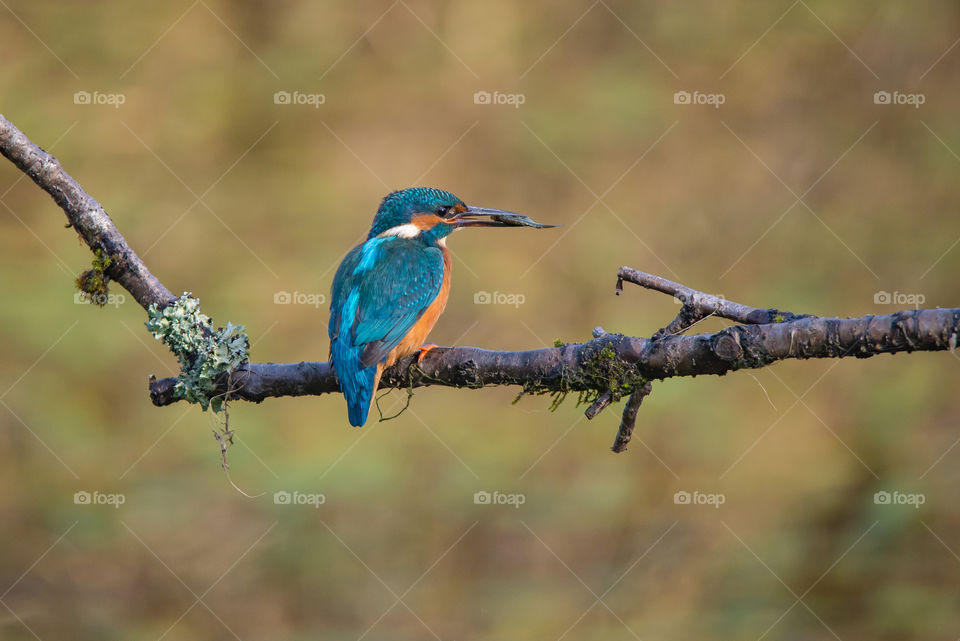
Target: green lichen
point(93, 282)
point(779, 318)
point(558, 343)
point(205, 354)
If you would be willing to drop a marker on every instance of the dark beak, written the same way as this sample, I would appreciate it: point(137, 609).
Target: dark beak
point(483, 217)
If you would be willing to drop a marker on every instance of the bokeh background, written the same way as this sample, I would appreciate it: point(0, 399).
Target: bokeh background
point(799, 191)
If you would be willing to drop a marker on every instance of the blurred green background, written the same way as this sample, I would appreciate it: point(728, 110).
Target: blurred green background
point(798, 192)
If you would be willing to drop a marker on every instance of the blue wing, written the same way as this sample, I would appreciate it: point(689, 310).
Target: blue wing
point(380, 291)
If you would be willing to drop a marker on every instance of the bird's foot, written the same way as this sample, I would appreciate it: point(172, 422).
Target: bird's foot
point(423, 351)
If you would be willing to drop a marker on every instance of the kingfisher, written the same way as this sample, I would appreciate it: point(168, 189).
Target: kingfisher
point(389, 291)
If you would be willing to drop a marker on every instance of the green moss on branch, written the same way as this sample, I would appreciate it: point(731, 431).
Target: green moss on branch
point(93, 282)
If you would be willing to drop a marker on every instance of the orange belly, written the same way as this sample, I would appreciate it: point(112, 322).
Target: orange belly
point(418, 333)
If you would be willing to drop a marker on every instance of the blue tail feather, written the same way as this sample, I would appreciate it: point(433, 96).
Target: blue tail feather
point(356, 381)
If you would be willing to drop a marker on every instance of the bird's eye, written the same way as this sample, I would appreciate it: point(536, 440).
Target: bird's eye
point(443, 211)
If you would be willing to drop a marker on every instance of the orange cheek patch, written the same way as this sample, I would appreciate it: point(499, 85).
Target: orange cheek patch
point(426, 221)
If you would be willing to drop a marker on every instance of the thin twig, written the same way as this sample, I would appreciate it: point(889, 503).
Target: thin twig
point(629, 419)
point(599, 405)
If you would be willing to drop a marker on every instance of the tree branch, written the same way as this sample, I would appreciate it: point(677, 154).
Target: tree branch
point(698, 305)
point(604, 369)
point(85, 214)
point(575, 367)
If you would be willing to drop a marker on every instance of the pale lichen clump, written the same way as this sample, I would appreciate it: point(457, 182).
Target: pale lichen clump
point(205, 354)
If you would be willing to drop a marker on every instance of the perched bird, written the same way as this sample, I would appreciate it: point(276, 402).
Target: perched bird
point(389, 291)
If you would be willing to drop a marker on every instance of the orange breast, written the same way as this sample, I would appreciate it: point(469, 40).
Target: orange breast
point(418, 333)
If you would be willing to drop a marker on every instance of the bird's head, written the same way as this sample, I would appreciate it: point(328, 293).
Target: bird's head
point(434, 213)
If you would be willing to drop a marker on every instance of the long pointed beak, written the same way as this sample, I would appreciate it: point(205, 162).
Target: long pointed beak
point(484, 217)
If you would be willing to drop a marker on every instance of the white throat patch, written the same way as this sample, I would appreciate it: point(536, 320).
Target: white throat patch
point(408, 230)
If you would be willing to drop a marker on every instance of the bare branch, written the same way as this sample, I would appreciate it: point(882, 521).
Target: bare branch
point(629, 420)
point(575, 367)
point(698, 305)
point(85, 214)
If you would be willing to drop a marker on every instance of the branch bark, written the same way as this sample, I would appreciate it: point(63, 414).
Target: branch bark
point(606, 368)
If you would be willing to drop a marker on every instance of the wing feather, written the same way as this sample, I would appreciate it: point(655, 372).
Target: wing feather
point(391, 282)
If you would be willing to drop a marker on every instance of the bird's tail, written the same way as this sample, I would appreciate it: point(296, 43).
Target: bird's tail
point(358, 408)
point(357, 383)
